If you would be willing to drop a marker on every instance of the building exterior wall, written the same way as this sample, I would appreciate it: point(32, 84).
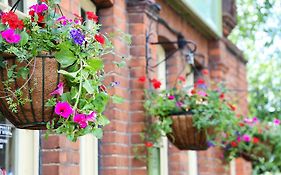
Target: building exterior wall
point(116, 149)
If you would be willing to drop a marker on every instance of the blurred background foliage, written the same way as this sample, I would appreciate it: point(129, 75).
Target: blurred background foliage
point(258, 35)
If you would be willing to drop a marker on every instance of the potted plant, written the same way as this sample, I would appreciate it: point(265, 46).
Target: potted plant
point(255, 141)
point(190, 116)
point(52, 71)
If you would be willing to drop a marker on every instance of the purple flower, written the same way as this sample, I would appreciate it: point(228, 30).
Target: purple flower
point(114, 83)
point(171, 97)
point(39, 8)
point(63, 109)
point(246, 138)
point(276, 122)
point(77, 36)
point(210, 144)
point(59, 90)
point(10, 36)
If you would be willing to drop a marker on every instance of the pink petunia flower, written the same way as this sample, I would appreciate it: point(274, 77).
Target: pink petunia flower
point(81, 120)
point(63, 109)
point(10, 36)
point(202, 93)
point(246, 138)
point(91, 117)
point(59, 90)
point(276, 122)
point(39, 8)
point(171, 97)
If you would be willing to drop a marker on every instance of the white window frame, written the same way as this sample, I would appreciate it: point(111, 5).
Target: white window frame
point(192, 155)
point(88, 143)
point(233, 167)
point(161, 74)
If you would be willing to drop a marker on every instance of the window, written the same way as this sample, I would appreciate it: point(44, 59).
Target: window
point(88, 143)
point(206, 12)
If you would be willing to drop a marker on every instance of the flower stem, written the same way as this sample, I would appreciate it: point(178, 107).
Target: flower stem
point(80, 85)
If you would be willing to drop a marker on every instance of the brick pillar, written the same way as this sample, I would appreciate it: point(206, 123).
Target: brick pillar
point(140, 13)
point(115, 145)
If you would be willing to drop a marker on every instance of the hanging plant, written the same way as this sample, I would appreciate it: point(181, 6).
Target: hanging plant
point(52, 71)
point(191, 117)
point(256, 141)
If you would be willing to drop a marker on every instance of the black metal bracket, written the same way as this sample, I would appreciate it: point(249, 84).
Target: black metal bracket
point(182, 44)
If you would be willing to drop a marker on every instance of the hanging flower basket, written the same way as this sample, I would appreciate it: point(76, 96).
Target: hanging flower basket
point(64, 92)
point(185, 136)
point(42, 80)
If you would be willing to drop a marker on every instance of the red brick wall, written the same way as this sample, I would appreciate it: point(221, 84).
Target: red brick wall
point(127, 119)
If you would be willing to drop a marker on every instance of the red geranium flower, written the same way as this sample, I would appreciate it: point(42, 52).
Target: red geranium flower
point(200, 81)
point(156, 84)
point(234, 144)
point(92, 16)
point(142, 79)
point(222, 96)
point(12, 20)
point(256, 140)
point(148, 144)
point(100, 39)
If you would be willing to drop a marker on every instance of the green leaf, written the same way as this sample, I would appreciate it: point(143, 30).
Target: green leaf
point(71, 74)
point(65, 57)
point(24, 38)
point(88, 86)
point(102, 120)
point(117, 99)
point(2, 27)
point(95, 64)
point(23, 72)
point(98, 133)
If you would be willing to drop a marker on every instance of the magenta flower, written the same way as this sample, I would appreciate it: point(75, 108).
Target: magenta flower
point(276, 122)
point(246, 138)
point(202, 93)
point(10, 36)
point(91, 117)
point(39, 8)
point(63, 109)
point(238, 139)
point(81, 120)
point(59, 90)
point(171, 97)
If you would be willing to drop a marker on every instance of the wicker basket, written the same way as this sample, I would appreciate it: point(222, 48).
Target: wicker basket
point(43, 80)
point(185, 136)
